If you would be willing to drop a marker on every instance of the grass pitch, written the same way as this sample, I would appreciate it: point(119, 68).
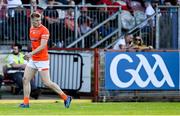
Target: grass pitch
point(86, 107)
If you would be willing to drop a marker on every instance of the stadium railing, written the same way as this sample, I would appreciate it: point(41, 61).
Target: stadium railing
point(168, 27)
point(90, 26)
point(66, 24)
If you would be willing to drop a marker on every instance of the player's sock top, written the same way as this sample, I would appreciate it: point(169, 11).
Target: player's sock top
point(26, 100)
point(63, 96)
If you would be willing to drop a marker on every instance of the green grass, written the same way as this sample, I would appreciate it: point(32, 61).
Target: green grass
point(86, 107)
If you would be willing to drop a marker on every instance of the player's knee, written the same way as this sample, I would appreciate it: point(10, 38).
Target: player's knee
point(48, 83)
point(25, 80)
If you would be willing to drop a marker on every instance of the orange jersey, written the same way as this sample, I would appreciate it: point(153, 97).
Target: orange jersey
point(36, 34)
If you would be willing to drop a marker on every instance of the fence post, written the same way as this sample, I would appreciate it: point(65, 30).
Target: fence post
point(178, 27)
point(119, 22)
point(83, 2)
point(96, 74)
point(157, 27)
point(76, 22)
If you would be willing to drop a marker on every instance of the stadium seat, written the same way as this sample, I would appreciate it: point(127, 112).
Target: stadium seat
point(6, 80)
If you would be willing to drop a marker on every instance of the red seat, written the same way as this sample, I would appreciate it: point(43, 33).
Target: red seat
point(6, 80)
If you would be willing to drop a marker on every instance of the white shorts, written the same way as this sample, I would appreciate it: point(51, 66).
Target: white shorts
point(39, 65)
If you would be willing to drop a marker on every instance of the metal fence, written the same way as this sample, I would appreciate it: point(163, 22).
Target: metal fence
point(164, 31)
point(65, 23)
point(14, 25)
point(168, 27)
point(72, 69)
point(105, 33)
point(65, 70)
point(91, 26)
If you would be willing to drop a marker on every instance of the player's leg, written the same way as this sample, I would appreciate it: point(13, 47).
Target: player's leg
point(28, 75)
point(46, 80)
point(45, 77)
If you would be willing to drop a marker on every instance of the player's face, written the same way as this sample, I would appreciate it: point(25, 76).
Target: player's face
point(36, 22)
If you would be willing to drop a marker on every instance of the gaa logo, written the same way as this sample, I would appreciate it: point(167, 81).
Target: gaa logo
point(135, 76)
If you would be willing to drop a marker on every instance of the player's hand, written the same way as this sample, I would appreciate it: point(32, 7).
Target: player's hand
point(28, 56)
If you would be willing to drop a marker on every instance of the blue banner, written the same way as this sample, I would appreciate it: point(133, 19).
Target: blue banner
point(142, 70)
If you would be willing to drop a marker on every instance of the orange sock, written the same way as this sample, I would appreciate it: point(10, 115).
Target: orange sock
point(26, 100)
point(63, 96)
